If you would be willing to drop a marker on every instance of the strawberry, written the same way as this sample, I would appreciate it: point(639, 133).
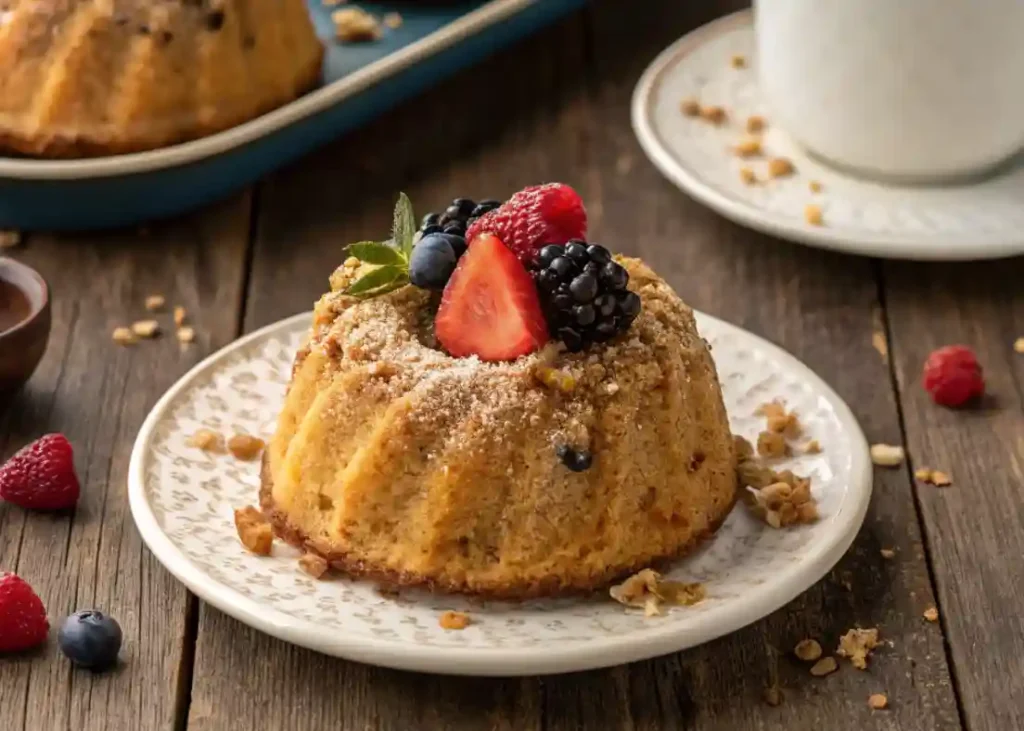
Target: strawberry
point(953, 376)
point(535, 216)
point(23, 623)
point(41, 476)
point(490, 307)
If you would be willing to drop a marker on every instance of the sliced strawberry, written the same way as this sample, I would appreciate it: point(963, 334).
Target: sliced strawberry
point(490, 307)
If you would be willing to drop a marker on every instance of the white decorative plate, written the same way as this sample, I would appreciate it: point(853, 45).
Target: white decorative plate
point(183, 501)
point(971, 220)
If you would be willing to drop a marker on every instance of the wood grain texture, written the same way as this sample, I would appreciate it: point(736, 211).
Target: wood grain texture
point(564, 98)
point(98, 394)
point(975, 528)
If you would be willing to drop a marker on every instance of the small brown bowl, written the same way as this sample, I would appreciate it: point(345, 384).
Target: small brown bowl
point(23, 341)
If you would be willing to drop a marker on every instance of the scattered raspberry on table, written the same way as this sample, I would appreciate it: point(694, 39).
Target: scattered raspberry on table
point(23, 623)
point(953, 376)
point(42, 475)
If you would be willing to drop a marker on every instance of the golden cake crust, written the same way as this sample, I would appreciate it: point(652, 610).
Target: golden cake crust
point(393, 460)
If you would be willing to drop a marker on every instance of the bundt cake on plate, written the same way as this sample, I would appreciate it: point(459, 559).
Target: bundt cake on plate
point(101, 77)
point(550, 423)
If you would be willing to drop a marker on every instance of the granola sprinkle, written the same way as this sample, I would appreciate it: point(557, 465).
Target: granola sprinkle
point(714, 114)
point(355, 25)
point(813, 215)
point(755, 124)
point(124, 336)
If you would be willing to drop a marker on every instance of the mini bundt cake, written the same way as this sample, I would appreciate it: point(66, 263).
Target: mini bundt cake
point(552, 466)
point(101, 77)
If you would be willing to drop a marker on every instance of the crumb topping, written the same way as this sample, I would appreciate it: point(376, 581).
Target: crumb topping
point(856, 645)
point(780, 499)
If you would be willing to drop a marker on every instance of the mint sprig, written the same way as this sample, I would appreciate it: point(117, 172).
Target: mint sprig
point(390, 259)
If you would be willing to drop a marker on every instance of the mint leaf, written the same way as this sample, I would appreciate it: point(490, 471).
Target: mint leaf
point(370, 285)
point(374, 252)
point(405, 225)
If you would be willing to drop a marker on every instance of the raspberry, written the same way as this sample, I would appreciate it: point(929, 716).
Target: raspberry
point(23, 623)
point(41, 476)
point(952, 376)
point(535, 216)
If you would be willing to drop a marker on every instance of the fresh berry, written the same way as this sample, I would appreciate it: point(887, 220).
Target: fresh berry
point(455, 219)
point(952, 376)
point(577, 460)
point(90, 639)
point(41, 476)
point(533, 217)
point(23, 622)
point(584, 293)
point(432, 262)
point(490, 307)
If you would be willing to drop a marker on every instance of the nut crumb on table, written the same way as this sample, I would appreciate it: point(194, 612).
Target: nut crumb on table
point(124, 336)
point(808, 650)
point(887, 455)
point(155, 302)
point(186, 335)
point(393, 20)
point(933, 477)
point(931, 614)
point(856, 645)
point(878, 701)
point(254, 530)
point(454, 620)
point(314, 565)
point(647, 590)
point(825, 666)
point(888, 553)
point(773, 696)
point(355, 25)
point(208, 441)
point(146, 328)
point(245, 447)
point(1018, 345)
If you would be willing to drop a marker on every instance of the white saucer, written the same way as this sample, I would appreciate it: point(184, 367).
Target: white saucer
point(971, 220)
point(182, 500)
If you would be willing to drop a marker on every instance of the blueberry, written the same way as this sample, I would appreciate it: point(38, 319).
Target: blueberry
point(584, 314)
point(430, 219)
point(548, 280)
point(584, 287)
point(572, 338)
point(629, 304)
point(458, 244)
point(563, 268)
point(484, 207)
point(563, 302)
point(605, 330)
point(599, 254)
point(454, 213)
point(577, 252)
point(576, 460)
point(432, 229)
point(614, 276)
point(464, 206)
point(432, 262)
point(605, 304)
point(455, 228)
point(549, 253)
point(90, 640)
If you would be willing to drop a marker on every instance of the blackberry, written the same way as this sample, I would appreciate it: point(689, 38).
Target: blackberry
point(577, 460)
point(456, 219)
point(584, 294)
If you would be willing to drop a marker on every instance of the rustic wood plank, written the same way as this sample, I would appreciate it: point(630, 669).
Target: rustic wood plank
point(98, 394)
point(975, 528)
point(555, 124)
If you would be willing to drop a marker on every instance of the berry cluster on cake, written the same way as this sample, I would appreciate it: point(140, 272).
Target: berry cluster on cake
point(491, 403)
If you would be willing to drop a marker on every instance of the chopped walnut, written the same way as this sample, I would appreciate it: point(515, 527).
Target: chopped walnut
point(208, 441)
point(245, 447)
point(555, 379)
point(186, 335)
point(179, 316)
point(738, 61)
point(887, 455)
point(748, 147)
point(124, 336)
point(888, 553)
point(646, 589)
point(807, 650)
point(857, 644)
point(254, 530)
point(315, 566)
point(878, 701)
point(813, 214)
point(931, 614)
point(779, 420)
point(155, 302)
point(772, 444)
point(355, 25)
point(1018, 345)
point(454, 620)
point(9, 239)
point(146, 328)
point(748, 176)
point(825, 666)
point(689, 107)
point(933, 477)
point(814, 186)
point(714, 114)
point(393, 20)
point(785, 501)
point(755, 124)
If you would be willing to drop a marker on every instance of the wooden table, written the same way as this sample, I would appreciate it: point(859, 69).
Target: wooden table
point(556, 107)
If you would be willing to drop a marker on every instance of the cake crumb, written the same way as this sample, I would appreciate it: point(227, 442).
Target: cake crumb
point(355, 25)
point(879, 343)
point(245, 447)
point(748, 147)
point(807, 650)
point(155, 302)
point(738, 61)
point(773, 696)
point(555, 378)
point(208, 441)
point(779, 420)
point(186, 335)
point(813, 214)
point(878, 701)
point(825, 666)
point(314, 565)
point(254, 530)
point(856, 645)
point(772, 444)
point(123, 336)
point(755, 123)
point(1018, 345)
point(887, 455)
point(888, 553)
point(714, 114)
point(146, 328)
point(780, 167)
point(180, 315)
point(454, 620)
point(931, 614)
point(647, 590)
point(689, 107)
point(748, 176)
point(393, 20)
point(9, 239)
point(814, 186)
